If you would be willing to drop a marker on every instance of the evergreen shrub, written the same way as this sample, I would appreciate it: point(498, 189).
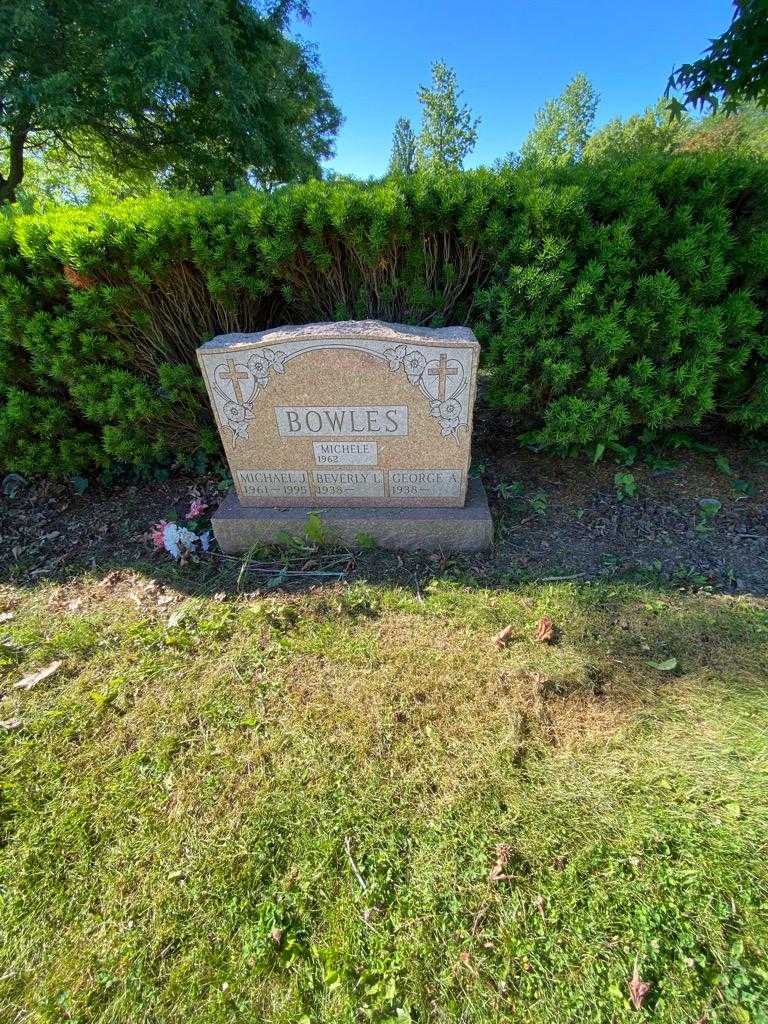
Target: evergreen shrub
point(612, 301)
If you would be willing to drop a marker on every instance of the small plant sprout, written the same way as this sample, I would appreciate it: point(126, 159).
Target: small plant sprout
point(365, 541)
point(742, 489)
point(625, 484)
point(626, 455)
point(708, 509)
point(316, 532)
point(509, 489)
point(539, 504)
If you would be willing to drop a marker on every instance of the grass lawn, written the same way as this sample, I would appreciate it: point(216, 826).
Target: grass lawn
point(288, 808)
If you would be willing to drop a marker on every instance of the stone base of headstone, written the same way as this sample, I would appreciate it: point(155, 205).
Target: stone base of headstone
point(238, 528)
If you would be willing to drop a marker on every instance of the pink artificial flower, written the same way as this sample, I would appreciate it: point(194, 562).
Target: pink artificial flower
point(158, 534)
point(196, 509)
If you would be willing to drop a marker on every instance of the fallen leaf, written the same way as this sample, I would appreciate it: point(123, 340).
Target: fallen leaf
point(276, 935)
point(29, 681)
point(539, 904)
point(10, 723)
point(220, 596)
point(545, 630)
point(503, 638)
point(75, 604)
point(465, 957)
point(164, 599)
point(664, 666)
point(498, 870)
point(178, 617)
point(638, 989)
point(7, 616)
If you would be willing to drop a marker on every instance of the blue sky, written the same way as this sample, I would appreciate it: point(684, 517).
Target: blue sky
point(510, 57)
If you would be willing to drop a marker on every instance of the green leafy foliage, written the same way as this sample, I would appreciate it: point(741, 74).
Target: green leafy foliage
point(616, 303)
point(563, 125)
point(734, 66)
point(653, 131)
point(199, 91)
point(630, 301)
point(448, 129)
point(403, 158)
point(745, 129)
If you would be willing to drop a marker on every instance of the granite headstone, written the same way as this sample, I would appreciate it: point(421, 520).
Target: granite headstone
point(345, 416)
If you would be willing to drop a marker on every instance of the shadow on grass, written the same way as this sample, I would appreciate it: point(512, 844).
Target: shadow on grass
point(643, 623)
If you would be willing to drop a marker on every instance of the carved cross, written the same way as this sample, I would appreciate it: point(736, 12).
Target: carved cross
point(235, 377)
point(442, 373)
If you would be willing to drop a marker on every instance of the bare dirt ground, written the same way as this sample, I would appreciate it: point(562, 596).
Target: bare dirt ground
point(695, 515)
point(697, 518)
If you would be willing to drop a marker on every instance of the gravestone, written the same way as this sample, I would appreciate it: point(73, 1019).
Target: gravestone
point(366, 422)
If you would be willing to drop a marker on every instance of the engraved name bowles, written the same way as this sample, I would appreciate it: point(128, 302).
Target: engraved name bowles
point(342, 421)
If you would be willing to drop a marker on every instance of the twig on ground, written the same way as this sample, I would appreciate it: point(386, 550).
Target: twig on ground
point(278, 571)
point(355, 869)
point(479, 916)
point(558, 579)
point(301, 560)
point(329, 567)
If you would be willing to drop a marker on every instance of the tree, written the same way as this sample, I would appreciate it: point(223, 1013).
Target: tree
point(562, 126)
point(654, 131)
point(201, 91)
point(76, 177)
point(509, 162)
point(734, 67)
point(448, 129)
point(403, 158)
point(649, 132)
point(745, 130)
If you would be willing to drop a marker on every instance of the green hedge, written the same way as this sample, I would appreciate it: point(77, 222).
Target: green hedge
point(613, 302)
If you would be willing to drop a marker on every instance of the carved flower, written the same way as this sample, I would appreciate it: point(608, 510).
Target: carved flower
point(449, 410)
point(395, 357)
point(235, 413)
point(277, 358)
point(413, 364)
point(259, 366)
